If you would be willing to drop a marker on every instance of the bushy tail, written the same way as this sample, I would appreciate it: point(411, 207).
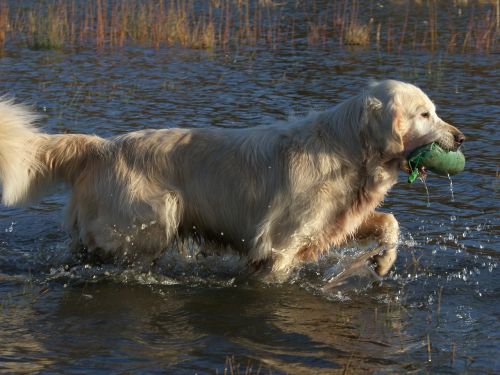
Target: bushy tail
point(31, 161)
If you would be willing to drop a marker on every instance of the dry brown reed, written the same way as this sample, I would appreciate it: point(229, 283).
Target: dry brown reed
point(232, 367)
point(356, 33)
point(457, 27)
point(429, 349)
point(433, 24)
point(4, 22)
point(50, 30)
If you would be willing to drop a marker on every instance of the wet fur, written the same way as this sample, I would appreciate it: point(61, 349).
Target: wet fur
point(279, 194)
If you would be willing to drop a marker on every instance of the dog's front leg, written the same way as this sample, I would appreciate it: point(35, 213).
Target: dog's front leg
point(383, 229)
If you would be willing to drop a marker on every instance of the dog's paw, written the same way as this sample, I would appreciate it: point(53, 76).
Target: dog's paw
point(383, 262)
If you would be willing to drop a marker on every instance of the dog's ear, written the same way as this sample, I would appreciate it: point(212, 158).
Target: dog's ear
point(395, 142)
point(372, 104)
point(384, 128)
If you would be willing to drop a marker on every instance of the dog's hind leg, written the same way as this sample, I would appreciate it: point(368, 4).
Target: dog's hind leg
point(173, 212)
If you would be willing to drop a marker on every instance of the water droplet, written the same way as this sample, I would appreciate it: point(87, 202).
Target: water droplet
point(10, 229)
point(451, 189)
point(426, 191)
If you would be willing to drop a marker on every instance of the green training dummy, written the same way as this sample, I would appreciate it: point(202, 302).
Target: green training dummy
point(435, 159)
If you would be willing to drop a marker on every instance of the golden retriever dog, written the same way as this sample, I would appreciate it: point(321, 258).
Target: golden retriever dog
point(278, 194)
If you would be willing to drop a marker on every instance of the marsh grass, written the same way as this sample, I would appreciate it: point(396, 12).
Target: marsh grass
point(357, 33)
point(431, 25)
point(50, 31)
point(4, 22)
point(233, 367)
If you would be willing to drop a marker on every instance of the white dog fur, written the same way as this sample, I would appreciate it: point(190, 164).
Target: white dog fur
point(278, 194)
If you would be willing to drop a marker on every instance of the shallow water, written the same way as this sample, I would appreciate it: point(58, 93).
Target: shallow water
point(189, 315)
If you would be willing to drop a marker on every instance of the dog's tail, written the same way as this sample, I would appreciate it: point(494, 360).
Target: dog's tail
point(31, 162)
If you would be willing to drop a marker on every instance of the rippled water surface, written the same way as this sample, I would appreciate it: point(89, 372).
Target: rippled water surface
point(438, 310)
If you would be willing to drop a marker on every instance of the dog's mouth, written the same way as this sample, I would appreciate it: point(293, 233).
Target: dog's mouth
point(451, 141)
point(448, 142)
point(448, 146)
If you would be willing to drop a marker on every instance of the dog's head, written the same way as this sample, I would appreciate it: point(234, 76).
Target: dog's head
point(401, 118)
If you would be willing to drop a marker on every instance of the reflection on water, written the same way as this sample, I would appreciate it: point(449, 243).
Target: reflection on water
point(440, 301)
point(120, 326)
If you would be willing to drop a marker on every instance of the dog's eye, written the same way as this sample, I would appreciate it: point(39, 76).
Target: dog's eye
point(426, 115)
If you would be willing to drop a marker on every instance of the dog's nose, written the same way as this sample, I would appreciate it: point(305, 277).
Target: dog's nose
point(459, 138)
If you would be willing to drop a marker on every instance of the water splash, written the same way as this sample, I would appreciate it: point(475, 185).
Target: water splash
point(451, 188)
point(426, 191)
point(10, 229)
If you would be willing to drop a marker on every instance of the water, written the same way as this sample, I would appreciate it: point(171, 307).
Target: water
point(188, 315)
point(451, 189)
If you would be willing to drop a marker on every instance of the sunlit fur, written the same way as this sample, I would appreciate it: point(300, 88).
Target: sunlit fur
point(279, 194)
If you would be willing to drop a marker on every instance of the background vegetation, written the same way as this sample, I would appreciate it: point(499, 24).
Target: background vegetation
point(457, 26)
